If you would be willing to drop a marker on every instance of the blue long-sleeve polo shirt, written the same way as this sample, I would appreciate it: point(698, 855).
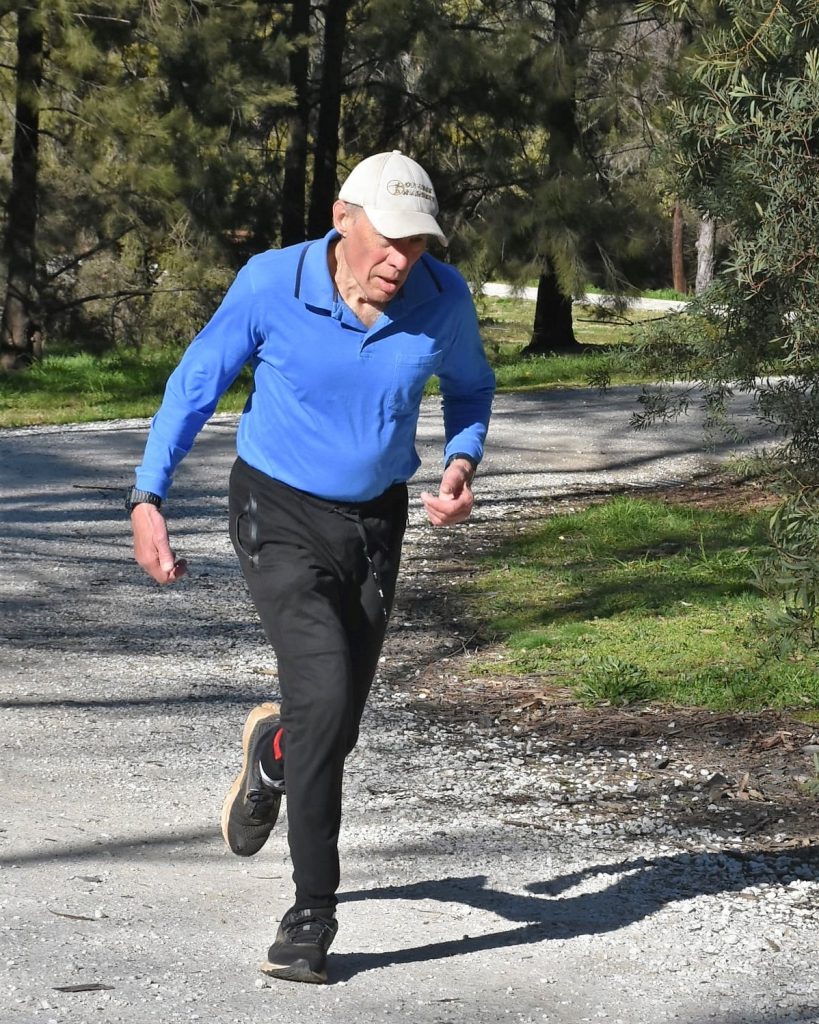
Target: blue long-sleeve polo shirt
point(334, 405)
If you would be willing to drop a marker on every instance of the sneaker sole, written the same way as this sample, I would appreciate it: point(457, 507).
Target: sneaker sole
point(253, 719)
point(299, 970)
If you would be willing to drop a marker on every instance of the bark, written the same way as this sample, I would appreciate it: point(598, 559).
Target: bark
point(552, 330)
point(677, 259)
point(20, 333)
point(295, 159)
point(323, 191)
point(706, 253)
point(392, 101)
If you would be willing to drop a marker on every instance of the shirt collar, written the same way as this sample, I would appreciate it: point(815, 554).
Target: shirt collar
point(315, 287)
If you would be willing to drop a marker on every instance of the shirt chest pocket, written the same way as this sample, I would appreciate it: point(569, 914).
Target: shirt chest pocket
point(410, 375)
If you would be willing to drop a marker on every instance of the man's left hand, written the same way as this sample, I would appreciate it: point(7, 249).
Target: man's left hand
point(455, 500)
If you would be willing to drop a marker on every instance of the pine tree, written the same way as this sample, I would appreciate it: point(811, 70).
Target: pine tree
point(20, 330)
point(542, 131)
point(152, 169)
point(490, 96)
point(294, 208)
point(748, 155)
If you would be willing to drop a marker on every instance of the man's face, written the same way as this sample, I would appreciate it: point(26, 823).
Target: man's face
point(379, 265)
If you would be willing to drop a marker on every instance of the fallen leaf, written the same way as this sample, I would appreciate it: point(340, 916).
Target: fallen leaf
point(776, 739)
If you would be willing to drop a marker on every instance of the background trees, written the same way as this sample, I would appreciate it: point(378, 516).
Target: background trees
point(532, 117)
point(19, 330)
point(747, 155)
point(140, 163)
point(158, 145)
point(579, 208)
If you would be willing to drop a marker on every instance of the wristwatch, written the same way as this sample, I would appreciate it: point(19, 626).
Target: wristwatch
point(134, 496)
point(466, 458)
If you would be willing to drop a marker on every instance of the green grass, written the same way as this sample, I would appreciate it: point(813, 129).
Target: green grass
point(635, 599)
point(665, 293)
point(72, 387)
point(649, 293)
point(506, 326)
point(628, 600)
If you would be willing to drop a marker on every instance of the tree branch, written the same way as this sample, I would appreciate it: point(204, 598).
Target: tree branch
point(76, 260)
point(124, 293)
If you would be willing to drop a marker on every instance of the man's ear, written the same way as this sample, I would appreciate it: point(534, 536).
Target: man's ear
point(341, 217)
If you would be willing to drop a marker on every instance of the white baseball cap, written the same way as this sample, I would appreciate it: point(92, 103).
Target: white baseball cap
point(396, 195)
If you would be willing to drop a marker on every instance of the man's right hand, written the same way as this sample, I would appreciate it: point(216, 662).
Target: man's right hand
point(152, 548)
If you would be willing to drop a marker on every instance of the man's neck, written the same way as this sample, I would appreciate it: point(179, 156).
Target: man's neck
point(349, 289)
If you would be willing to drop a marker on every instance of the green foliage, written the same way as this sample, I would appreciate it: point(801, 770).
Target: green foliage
point(156, 173)
point(747, 154)
point(530, 118)
point(168, 129)
point(791, 574)
point(811, 787)
point(612, 681)
point(560, 181)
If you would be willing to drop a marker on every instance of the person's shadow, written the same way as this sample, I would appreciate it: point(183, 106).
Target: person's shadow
point(647, 886)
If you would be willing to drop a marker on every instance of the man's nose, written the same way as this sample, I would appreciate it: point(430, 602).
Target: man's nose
point(397, 259)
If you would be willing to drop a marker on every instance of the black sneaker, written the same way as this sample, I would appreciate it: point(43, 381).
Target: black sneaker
point(300, 950)
point(251, 807)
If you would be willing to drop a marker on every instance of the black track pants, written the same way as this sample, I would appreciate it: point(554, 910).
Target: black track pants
point(322, 576)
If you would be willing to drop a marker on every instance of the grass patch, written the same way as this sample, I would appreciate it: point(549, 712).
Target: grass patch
point(68, 387)
point(649, 293)
point(636, 599)
point(665, 293)
point(506, 327)
point(593, 289)
point(73, 387)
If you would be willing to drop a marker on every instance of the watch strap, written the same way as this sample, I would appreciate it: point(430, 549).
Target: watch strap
point(136, 496)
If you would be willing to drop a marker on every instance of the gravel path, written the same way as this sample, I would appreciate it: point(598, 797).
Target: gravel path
point(487, 876)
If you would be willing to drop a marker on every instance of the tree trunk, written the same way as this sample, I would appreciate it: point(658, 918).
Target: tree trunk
point(392, 99)
point(706, 253)
point(20, 334)
point(294, 185)
point(677, 259)
point(323, 191)
point(552, 331)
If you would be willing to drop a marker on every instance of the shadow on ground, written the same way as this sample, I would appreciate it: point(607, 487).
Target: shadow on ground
point(636, 890)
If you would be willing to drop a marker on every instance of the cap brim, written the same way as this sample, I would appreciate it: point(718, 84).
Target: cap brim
point(405, 223)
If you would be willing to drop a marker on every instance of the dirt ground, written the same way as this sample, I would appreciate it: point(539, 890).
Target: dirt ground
point(761, 762)
point(490, 873)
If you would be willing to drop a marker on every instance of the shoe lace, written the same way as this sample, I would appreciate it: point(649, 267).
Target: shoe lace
point(264, 801)
point(310, 930)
